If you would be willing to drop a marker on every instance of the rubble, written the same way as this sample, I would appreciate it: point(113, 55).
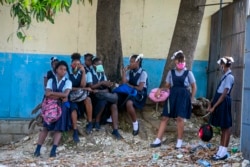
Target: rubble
point(101, 149)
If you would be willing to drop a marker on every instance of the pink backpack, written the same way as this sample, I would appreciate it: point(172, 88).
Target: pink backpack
point(51, 111)
point(163, 95)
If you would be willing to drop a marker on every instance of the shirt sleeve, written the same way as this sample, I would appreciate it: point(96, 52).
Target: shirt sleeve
point(191, 78)
point(229, 80)
point(169, 77)
point(68, 85)
point(89, 78)
point(143, 77)
point(49, 84)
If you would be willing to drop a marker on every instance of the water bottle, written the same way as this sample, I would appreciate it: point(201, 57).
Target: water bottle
point(204, 163)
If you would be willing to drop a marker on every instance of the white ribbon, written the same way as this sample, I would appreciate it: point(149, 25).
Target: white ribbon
point(175, 53)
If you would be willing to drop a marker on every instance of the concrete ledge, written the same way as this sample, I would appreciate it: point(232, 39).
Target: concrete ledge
point(13, 130)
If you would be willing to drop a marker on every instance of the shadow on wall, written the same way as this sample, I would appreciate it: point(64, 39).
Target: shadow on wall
point(21, 79)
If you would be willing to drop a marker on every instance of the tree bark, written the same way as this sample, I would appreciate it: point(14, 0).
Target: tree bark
point(186, 33)
point(108, 37)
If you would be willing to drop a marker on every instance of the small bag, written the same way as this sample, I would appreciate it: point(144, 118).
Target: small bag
point(78, 95)
point(51, 111)
point(163, 95)
point(206, 132)
point(110, 97)
point(125, 89)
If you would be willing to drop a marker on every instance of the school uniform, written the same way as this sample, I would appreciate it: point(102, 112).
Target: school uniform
point(76, 82)
point(179, 102)
point(135, 77)
point(94, 78)
point(63, 123)
point(221, 117)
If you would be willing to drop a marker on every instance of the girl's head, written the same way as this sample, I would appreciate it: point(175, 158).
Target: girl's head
point(88, 59)
point(53, 61)
point(179, 59)
point(97, 64)
point(225, 62)
point(61, 68)
point(135, 61)
point(75, 62)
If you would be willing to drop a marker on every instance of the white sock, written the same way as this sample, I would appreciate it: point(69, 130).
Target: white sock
point(223, 151)
point(135, 125)
point(179, 143)
point(157, 141)
point(219, 151)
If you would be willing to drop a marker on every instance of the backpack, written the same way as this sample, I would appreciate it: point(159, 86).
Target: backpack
point(206, 132)
point(51, 109)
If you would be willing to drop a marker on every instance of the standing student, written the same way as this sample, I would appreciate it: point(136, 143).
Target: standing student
point(57, 88)
point(136, 78)
point(178, 105)
point(220, 107)
point(78, 78)
point(99, 83)
point(51, 73)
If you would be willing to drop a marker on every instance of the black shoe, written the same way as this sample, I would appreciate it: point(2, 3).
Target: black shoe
point(117, 135)
point(52, 155)
point(136, 132)
point(155, 145)
point(37, 154)
point(218, 158)
point(97, 126)
point(89, 128)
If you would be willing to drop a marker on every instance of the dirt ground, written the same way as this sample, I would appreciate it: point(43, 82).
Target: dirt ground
point(101, 149)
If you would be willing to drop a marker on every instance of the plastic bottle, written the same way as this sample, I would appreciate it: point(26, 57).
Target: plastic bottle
point(204, 163)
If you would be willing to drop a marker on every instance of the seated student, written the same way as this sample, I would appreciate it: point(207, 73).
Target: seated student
point(99, 83)
point(88, 62)
point(136, 78)
point(57, 88)
point(51, 73)
point(78, 78)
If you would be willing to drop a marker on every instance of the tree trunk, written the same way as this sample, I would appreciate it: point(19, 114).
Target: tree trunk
point(186, 33)
point(108, 38)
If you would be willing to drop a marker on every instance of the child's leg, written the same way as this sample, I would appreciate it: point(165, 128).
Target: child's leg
point(131, 111)
point(57, 138)
point(163, 124)
point(74, 119)
point(89, 108)
point(180, 130)
point(42, 136)
point(114, 115)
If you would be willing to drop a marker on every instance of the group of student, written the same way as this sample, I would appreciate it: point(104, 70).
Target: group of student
point(90, 76)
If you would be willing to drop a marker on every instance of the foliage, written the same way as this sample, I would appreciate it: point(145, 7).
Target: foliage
point(40, 10)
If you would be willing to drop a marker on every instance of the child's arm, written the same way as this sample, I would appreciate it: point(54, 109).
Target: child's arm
point(219, 101)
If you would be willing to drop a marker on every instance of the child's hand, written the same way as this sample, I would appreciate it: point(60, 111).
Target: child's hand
point(158, 93)
point(48, 93)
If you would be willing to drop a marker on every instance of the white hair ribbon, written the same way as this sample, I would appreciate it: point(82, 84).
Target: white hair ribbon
point(139, 56)
point(175, 53)
point(225, 60)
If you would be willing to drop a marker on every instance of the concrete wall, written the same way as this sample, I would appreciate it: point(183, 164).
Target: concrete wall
point(146, 27)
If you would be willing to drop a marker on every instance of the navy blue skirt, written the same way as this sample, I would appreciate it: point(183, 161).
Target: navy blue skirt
point(179, 103)
point(139, 100)
point(64, 122)
point(222, 117)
